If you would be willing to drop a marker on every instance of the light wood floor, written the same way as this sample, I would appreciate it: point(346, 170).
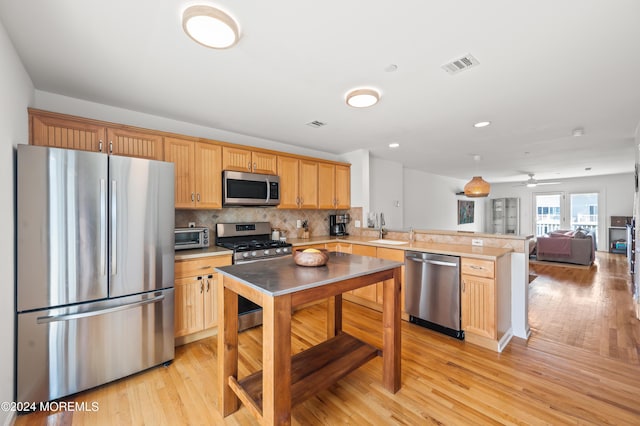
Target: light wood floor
point(580, 366)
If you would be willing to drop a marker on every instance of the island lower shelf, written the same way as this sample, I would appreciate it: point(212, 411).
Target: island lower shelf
point(312, 370)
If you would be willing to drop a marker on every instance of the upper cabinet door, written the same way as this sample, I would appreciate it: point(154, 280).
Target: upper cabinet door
point(343, 187)
point(326, 186)
point(236, 159)
point(208, 176)
point(262, 162)
point(308, 191)
point(66, 133)
point(289, 182)
point(182, 154)
point(134, 144)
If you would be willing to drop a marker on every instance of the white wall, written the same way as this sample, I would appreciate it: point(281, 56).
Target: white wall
point(360, 185)
point(386, 180)
point(615, 199)
point(73, 106)
point(430, 202)
point(17, 94)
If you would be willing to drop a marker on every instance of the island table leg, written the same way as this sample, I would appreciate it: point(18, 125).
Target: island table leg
point(227, 348)
point(334, 316)
point(276, 361)
point(391, 343)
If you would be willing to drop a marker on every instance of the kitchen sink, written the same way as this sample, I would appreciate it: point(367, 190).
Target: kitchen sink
point(392, 242)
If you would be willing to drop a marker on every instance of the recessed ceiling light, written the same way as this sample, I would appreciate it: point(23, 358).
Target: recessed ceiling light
point(394, 145)
point(578, 131)
point(210, 27)
point(587, 169)
point(362, 98)
point(482, 124)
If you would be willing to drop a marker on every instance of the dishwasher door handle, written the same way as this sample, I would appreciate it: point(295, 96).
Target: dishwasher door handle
point(433, 262)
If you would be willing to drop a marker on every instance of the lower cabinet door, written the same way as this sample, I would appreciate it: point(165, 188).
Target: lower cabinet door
point(189, 305)
point(478, 306)
point(210, 307)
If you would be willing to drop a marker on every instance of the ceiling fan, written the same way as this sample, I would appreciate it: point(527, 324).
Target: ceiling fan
point(532, 182)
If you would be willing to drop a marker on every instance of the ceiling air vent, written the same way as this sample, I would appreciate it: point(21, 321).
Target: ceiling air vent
point(460, 64)
point(316, 124)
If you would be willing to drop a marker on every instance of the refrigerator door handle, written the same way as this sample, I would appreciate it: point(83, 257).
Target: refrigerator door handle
point(57, 318)
point(103, 227)
point(114, 233)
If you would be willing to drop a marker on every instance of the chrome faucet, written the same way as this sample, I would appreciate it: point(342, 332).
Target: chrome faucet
point(382, 223)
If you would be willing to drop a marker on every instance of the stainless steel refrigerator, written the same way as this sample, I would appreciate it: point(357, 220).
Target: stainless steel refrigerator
point(95, 256)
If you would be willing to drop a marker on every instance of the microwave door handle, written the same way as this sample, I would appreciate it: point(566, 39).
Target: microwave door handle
point(268, 190)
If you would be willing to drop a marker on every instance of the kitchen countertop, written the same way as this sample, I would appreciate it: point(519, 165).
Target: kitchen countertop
point(202, 252)
point(282, 276)
point(489, 253)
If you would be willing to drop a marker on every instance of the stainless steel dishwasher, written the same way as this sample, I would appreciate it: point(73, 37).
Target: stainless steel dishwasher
point(432, 292)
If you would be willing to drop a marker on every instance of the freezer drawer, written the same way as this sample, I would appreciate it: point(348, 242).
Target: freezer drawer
point(67, 350)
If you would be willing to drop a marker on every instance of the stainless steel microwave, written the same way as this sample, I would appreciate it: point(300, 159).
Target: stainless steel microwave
point(250, 189)
point(190, 238)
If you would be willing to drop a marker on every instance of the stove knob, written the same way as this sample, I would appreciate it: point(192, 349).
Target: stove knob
point(253, 253)
point(245, 255)
point(285, 250)
point(278, 251)
point(266, 252)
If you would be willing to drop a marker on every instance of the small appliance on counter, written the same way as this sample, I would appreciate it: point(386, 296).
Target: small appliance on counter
point(191, 238)
point(338, 224)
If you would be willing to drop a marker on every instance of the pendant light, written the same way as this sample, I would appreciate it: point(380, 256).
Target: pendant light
point(477, 187)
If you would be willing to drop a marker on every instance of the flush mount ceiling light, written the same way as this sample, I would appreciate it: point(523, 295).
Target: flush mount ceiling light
point(362, 98)
point(394, 145)
point(477, 187)
point(577, 132)
point(210, 27)
point(482, 124)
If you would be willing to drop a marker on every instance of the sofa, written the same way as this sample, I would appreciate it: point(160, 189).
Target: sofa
point(576, 247)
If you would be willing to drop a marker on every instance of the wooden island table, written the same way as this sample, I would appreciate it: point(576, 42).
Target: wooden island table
point(278, 285)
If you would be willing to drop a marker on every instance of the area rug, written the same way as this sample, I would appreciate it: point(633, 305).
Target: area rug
point(559, 264)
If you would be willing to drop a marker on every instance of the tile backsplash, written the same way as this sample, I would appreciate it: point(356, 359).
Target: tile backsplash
point(284, 220)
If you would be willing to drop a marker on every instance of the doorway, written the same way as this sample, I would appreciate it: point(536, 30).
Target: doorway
point(562, 210)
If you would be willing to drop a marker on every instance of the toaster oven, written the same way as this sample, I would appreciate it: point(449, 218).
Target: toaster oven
point(190, 238)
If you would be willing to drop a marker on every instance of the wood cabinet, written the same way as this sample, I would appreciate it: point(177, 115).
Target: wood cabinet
point(298, 183)
point(195, 294)
point(334, 186)
point(371, 296)
point(59, 131)
point(198, 168)
point(370, 292)
point(486, 301)
point(244, 160)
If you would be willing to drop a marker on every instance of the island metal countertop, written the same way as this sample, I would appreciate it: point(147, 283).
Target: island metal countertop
point(282, 276)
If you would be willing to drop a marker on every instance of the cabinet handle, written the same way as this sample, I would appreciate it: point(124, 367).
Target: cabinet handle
point(110, 147)
point(209, 282)
point(463, 286)
point(192, 197)
point(198, 197)
point(100, 146)
point(476, 267)
point(249, 165)
point(255, 166)
point(297, 201)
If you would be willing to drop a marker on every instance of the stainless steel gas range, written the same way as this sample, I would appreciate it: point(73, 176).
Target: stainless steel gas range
point(250, 242)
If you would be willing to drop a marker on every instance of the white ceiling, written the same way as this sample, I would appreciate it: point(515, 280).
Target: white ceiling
point(546, 67)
